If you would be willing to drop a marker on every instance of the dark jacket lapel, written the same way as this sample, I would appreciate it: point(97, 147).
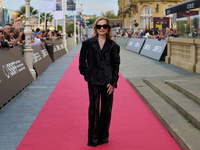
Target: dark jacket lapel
point(108, 45)
point(95, 44)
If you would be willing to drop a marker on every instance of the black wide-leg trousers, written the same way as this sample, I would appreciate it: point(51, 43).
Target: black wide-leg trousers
point(99, 120)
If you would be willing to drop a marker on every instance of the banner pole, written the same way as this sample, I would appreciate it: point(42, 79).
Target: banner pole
point(78, 32)
point(56, 24)
point(10, 13)
point(75, 26)
point(64, 32)
point(39, 14)
point(45, 22)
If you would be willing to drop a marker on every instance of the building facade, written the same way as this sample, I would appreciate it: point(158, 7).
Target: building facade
point(145, 13)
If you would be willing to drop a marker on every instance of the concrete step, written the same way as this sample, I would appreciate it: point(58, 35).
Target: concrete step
point(187, 107)
point(186, 135)
point(188, 86)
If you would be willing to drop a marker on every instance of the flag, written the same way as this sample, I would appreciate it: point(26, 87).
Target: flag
point(42, 46)
point(58, 14)
point(48, 5)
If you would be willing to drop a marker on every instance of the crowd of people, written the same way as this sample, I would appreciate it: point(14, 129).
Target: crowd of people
point(149, 33)
point(11, 36)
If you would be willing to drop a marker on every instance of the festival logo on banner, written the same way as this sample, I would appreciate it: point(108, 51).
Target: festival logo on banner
point(43, 51)
point(13, 68)
point(58, 47)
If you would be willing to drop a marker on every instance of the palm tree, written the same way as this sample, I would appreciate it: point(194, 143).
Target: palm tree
point(22, 13)
point(49, 18)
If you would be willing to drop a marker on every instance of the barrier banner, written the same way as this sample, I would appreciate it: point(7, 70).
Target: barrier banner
point(41, 59)
point(135, 44)
point(154, 49)
point(57, 50)
point(14, 74)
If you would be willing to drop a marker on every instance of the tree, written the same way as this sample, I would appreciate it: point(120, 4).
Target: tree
point(109, 15)
point(91, 20)
point(49, 18)
point(70, 28)
point(22, 13)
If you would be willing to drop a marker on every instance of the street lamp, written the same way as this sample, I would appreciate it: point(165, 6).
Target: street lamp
point(157, 9)
point(28, 51)
point(129, 12)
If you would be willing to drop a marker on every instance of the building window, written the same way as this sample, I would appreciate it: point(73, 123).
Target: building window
point(147, 13)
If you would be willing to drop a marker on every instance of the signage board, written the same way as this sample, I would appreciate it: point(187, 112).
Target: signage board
point(58, 49)
point(14, 74)
point(41, 59)
point(71, 5)
point(135, 44)
point(154, 49)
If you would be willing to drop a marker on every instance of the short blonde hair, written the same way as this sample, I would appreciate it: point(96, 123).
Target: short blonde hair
point(109, 34)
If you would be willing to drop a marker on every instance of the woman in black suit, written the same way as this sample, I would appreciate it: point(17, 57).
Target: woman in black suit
point(99, 64)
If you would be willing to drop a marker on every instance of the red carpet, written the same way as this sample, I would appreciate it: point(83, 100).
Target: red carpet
point(62, 122)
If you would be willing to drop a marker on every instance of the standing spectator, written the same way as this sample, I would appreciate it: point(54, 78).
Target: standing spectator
point(167, 33)
point(1, 36)
point(174, 33)
point(7, 29)
point(143, 32)
point(130, 34)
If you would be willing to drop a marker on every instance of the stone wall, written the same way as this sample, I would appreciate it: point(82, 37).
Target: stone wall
point(184, 53)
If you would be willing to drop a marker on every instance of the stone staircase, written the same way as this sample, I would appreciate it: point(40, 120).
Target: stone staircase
point(175, 101)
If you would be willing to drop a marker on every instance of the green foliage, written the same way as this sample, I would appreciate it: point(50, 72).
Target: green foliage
point(59, 27)
point(92, 19)
point(181, 26)
point(70, 28)
point(22, 11)
point(187, 28)
point(49, 18)
point(109, 15)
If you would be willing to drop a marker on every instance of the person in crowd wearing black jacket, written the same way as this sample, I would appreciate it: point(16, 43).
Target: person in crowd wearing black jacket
point(99, 62)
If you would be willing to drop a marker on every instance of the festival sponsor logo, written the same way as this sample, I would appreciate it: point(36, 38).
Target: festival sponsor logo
point(62, 46)
point(137, 45)
point(58, 47)
point(157, 49)
point(147, 47)
point(44, 53)
point(54, 49)
point(13, 68)
point(130, 44)
point(36, 57)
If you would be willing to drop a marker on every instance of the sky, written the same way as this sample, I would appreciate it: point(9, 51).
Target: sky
point(89, 7)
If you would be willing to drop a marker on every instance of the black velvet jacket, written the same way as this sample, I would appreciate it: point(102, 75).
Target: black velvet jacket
point(100, 67)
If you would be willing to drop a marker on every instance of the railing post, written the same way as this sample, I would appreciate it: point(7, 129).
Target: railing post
point(28, 51)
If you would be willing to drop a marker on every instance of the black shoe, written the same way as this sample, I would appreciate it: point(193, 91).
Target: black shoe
point(92, 144)
point(103, 141)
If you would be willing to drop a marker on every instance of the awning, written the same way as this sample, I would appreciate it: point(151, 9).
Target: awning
point(184, 6)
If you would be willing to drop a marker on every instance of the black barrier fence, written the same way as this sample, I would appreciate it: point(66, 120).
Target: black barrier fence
point(14, 74)
point(152, 48)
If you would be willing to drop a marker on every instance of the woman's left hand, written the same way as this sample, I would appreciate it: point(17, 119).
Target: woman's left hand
point(110, 88)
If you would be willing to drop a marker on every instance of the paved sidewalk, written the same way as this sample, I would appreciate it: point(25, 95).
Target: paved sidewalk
point(18, 115)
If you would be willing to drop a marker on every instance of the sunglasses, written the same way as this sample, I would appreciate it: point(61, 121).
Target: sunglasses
point(105, 26)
